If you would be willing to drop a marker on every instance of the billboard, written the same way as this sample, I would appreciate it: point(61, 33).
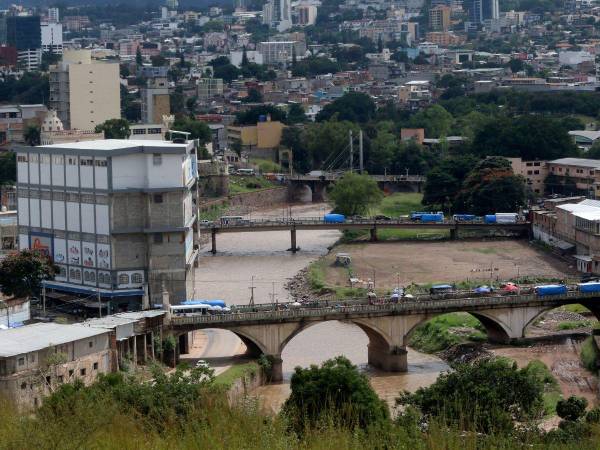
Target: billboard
point(41, 242)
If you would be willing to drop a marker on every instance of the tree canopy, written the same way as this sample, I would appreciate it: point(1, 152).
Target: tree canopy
point(352, 106)
point(355, 194)
point(251, 116)
point(114, 129)
point(197, 129)
point(22, 273)
point(336, 390)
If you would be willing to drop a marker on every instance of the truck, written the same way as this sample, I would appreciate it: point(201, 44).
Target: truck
point(432, 218)
point(334, 218)
point(551, 289)
point(593, 286)
point(501, 218)
point(464, 217)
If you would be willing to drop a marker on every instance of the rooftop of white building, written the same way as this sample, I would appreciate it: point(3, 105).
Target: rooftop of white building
point(114, 144)
point(31, 338)
point(581, 162)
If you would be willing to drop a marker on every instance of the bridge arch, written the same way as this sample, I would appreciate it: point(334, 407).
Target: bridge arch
point(496, 329)
point(592, 305)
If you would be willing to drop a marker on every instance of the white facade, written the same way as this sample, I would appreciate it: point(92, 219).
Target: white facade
point(53, 15)
point(52, 38)
point(73, 203)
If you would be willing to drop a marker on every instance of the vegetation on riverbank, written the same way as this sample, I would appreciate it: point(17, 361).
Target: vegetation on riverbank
point(242, 184)
point(590, 355)
point(235, 372)
point(551, 390)
point(332, 406)
point(446, 330)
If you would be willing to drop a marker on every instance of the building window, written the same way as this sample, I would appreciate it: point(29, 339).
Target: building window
point(90, 344)
point(123, 278)
point(139, 131)
point(21, 361)
point(156, 159)
point(101, 163)
point(95, 366)
point(22, 158)
point(536, 172)
point(158, 198)
point(82, 372)
point(60, 379)
point(71, 372)
point(59, 160)
point(158, 238)
point(72, 160)
point(137, 278)
point(23, 385)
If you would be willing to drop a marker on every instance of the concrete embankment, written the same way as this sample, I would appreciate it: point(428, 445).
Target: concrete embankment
point(244, 385)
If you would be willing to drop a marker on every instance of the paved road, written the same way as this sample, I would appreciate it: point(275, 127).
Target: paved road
point(220, 348)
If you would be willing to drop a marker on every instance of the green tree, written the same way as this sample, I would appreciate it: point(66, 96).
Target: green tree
point(114, 129)
point(594, 151)
point(379, 44)
point(444, 181)
point(244, 57)
point(491, 187)
point(336, 390)
point(252, 115)
point(197, 129)
point(355, 194)
point(435, 120)
point(227, 72)
point(326, 141)
point(295, 114)
point(571, 409)
point(159, 61)
point(483, 396)
point(292, 138)
point(22, 273)
point(8, 168)
point(383, 148)
point(31, 136)
point(254, 96)
point(516, 65)
point(352, 106)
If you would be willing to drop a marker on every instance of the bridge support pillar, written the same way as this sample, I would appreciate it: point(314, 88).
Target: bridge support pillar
point(294, 247)
point(393, 359)
point(213, 238)
point(276, 368)
point(453, 234)
point(373, 234)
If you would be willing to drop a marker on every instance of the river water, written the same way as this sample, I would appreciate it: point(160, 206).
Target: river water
point(264, 256)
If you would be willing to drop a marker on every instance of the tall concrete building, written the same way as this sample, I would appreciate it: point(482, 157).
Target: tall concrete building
point(84, 93)
point(53, 15)
point(52, 39)
point(439, 18)
point(117, 217)
point(209, 87)
point(475, 10)
point(490, 10)
point(156, 102)
point(24, 34)
point(278, 14)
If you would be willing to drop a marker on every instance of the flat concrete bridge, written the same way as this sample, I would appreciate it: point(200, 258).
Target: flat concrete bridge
point(317, 223)
point(266, 329)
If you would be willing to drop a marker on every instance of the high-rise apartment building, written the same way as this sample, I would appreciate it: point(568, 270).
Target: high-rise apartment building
point(52, 39)
point(306, 14)
point(278, 14)
point(24, 34)
point(439, 18)
point(84, 93)
point(475, 9)
point(117, 217)
point(280, 52)
point(490, 10)
point(53, 15)
point(156, 102)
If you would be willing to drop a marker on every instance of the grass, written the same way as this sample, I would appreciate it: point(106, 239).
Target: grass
point(214, 212)
point(590, 355)
point(399, 204)
point(236, 372)
point(552, 393)
point(436, 335)
point(575, 308)
point(242, 184)
point(574, 324)
point(266, 165)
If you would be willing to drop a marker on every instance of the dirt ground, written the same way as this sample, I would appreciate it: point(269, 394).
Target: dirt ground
point(563, 361)
point(444, 261)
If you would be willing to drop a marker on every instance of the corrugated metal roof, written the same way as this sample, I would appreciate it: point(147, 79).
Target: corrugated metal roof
point(577, 207)
point(581, 162)
point(589, 202)
point(31, 338)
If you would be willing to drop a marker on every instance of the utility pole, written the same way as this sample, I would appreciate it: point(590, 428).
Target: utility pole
point(360, 151)
point(99, 302)
point(252, 292)
point(44, 299)
point(274, 297)
point(351, 150)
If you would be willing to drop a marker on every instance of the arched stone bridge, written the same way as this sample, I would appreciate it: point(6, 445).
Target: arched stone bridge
point(388, 326)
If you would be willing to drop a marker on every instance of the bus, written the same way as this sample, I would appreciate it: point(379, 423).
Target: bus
point(191, 310)
point(231, 220)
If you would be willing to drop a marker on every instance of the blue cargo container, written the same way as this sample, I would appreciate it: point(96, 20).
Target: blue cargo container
point(429, 218)
point(464, 217)
point(416, 215)
point(490, 218)
point(551, 289)
point(589, 287)
point(334, 218)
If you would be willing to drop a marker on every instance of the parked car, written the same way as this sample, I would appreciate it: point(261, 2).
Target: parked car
point(382, 217)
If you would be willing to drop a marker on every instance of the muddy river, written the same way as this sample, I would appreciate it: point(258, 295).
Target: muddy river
point(264, 256)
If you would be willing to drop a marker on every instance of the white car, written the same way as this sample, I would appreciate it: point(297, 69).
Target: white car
point(202, 364)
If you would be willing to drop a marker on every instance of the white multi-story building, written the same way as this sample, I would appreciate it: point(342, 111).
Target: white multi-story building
point(52, 38)
point(280, 52)
point(53, 15)
point(278, 14)
point(84, 93)
point(117, 217)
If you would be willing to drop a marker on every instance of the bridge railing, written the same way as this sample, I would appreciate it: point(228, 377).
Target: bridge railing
point(405, 306)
